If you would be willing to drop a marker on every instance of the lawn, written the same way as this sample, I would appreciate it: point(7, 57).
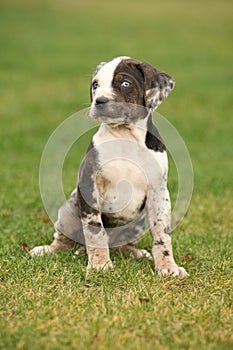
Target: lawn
point(48, 52)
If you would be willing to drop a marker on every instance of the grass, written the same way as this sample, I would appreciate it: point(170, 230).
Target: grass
point(48, 50)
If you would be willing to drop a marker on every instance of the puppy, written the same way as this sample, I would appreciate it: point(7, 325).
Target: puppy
point(123, 179)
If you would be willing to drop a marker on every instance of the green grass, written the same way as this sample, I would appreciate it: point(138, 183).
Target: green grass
point(48, 51)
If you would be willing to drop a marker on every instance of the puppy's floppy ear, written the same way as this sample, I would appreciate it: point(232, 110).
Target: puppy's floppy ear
point(157, 85)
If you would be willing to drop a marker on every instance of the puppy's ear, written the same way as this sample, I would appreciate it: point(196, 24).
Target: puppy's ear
point(157, 85)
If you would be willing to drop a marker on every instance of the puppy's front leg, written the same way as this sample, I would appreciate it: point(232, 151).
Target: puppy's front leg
point(159, 220)
point(89, 204)
point(96, 243)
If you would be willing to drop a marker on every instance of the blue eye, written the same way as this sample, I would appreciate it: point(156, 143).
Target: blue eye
point(95, 85)
point(125, 83)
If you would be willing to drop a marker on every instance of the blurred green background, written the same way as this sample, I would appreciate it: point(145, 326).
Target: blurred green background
point(50, 48)
point(48, 51)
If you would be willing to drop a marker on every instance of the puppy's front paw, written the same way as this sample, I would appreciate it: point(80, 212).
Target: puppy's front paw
point(41, 250)
point(174, 271)
point(98, 259)
point(103, 266)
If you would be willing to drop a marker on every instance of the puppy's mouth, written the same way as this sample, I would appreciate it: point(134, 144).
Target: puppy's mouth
point(118, 112)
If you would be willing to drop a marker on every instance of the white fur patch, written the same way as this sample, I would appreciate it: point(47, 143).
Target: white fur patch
point(128, 166)
point(104, 78)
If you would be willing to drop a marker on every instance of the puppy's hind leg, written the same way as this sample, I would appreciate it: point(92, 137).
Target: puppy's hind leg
point(60, 242)
point(69, 223)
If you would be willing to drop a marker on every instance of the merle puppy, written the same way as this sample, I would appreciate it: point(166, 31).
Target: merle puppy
point(123, 179)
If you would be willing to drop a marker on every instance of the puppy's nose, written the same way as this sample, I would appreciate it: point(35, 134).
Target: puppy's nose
point(101, 100)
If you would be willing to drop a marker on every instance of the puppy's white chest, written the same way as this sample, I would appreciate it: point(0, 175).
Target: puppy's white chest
point(126, 169)
point(122, 186)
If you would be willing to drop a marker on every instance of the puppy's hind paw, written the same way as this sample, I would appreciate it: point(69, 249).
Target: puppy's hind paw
point(142, 253)
point(81, 250)
point(41, 250)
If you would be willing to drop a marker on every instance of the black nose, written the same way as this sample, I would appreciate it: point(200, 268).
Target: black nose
point(101, 100)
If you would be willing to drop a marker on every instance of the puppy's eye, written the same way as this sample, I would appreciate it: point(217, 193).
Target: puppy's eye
point(95, 85)
point(125, 83)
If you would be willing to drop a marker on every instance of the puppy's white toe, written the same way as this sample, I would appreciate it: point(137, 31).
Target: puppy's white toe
point(100, 267)
point(182, 272)
point(41, 250)
point(146, 254)
point(142, 253)
point(80, 250)
point(163, 272)
point(175, 271)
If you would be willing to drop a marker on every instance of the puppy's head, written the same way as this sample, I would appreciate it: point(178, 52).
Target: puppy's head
point(124, 90)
